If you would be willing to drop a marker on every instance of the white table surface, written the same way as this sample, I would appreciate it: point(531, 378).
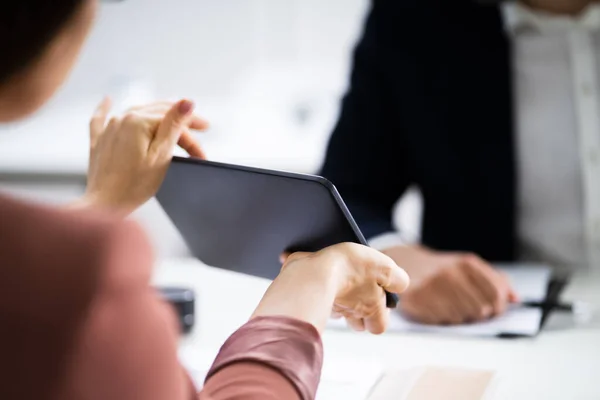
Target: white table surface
point(563, 362)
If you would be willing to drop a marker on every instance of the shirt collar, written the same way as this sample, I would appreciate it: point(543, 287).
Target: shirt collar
point(519, 18)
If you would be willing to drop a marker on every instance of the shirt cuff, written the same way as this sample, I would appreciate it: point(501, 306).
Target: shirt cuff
point(387, 240)
point(289, 346)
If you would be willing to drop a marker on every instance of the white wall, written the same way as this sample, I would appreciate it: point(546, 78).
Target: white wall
point(253, 66)
point(204, 47)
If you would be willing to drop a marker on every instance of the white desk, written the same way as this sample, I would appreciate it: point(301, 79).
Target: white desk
point(559, 364)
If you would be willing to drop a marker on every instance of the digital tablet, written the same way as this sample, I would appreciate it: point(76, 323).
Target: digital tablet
point(242, 218)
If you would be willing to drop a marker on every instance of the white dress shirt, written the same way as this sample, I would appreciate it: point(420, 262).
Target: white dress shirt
point(556, 62)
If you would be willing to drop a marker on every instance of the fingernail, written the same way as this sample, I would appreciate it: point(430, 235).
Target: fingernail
point(185, 107)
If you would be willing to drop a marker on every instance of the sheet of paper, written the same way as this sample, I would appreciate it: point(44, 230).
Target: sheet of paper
point(517, 321)
point(529, 281)
point(348, 379)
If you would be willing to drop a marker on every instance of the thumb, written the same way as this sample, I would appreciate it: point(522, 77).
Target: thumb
point(172, 126)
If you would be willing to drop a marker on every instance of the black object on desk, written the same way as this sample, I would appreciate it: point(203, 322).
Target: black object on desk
point(242, 218)
point(183, 301)
point(551, 303)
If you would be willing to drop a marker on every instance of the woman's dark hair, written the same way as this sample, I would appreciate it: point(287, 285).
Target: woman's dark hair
point(26, 29)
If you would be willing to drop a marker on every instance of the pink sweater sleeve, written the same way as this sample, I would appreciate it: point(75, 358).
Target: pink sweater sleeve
point(279, 355)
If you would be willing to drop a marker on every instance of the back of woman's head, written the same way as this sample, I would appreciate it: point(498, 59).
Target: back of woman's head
point(39, 43)
point(26, 29)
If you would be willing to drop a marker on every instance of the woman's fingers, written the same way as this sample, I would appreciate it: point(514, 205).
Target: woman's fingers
point(513, 296)
point(163, 105)
point(98, 121)
point(175, 122)
point(161, 108)
point(296, 256)
point(186, 141)
point(358, 324)
point(199, 124)
point(190, 145)
point(377, 323)
point(373, 265)
point(391, 277)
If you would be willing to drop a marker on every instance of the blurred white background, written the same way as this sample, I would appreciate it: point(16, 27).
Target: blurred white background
point(267, 74)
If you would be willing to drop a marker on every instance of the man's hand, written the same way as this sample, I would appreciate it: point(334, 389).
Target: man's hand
point(451, 288)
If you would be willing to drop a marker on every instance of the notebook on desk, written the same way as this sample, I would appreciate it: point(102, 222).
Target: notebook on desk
point(529, 281)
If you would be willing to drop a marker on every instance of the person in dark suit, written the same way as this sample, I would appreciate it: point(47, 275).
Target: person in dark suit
point(491, 110)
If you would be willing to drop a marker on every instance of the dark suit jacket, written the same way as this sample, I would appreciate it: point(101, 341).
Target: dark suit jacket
point(430, 105)
point(79, 320)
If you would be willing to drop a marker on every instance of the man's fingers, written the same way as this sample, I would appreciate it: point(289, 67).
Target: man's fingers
point(469, 311)
point(418, 311)
point(176, 120)
point(190, 145)
point(440, 302)
point(513, 296)
point(472, 304)
point(490, 285)
point(98, 121)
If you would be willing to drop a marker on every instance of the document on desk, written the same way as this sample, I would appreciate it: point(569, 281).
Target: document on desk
point(529, 281)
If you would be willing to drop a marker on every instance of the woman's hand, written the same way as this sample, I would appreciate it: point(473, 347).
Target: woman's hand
point(130, 155)
point(348, 278)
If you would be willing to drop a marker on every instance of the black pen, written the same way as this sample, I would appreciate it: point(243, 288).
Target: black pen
point(575, 308)
point(564, 307)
